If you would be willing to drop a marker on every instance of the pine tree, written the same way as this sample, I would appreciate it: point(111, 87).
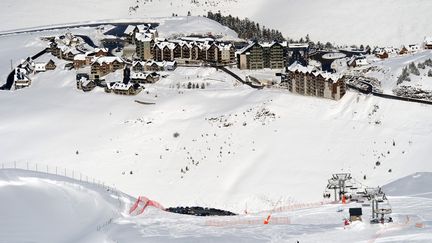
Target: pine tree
point(413, 69)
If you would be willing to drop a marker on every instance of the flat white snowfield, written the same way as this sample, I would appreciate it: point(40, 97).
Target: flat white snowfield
point(384, 23)
point(39, 207)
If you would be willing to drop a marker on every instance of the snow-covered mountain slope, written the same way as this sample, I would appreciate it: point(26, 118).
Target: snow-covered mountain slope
point(40, 207)
point(236, 146)
point(416, 184)
point(340, 21)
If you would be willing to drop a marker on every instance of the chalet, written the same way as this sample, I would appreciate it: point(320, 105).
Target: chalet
point(21, 78)
point(67, 53)
point(170, 66)
point(357, 62)
point(79, 61)
point(138, 66)
point(427, 43)
point(104, 65)
point(382, 55)
point(226, 54)
point(310, 81)
point(100, 52)
point(413, 48)
point(186, 50)
point(274, 56)
point(123, 89)
point(132, 30)
point(167, 52)
point(259, 56)
point(54, 49)
point(43, 66)
point(157, 52)
point(251, 57)
point(153, 77)
point(177, 52)
point(298, 52)
point(154, 66)
point(50, 65)
point(39, 67)
point(84, 83)
point(195, 52)
point(27, 65)
point(212, 53)
point(139, 77)
point(68, 39)
point(164, 51)
point(403, 51)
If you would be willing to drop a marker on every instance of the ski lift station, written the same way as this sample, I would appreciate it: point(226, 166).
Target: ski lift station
point(346, 189)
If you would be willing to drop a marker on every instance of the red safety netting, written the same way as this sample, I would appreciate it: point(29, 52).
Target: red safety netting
point(142, 203)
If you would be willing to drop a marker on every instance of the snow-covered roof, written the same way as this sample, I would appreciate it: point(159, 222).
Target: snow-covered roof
point(40, 66)
point(120, 86)
point(298, 45)
point(333, 55)
point(129, 29)
point(169, 63)
point(101, 49)
point(138, 75)
point(428, 40)
point(197, 39)
point(85, 81)
point(102, 60)
point(296, 67)
point(134, 63)
point(362, 62)
point(80, 57)
point(164, 44)
point(143, 37)
point(246, 48)
point(21, 75)
point(151, 62)
point(225, 47)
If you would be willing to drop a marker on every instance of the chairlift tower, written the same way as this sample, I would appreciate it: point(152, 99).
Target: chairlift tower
point(339, 182)
point(377, 196)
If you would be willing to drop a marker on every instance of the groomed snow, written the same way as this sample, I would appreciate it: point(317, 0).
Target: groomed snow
point(40, 207)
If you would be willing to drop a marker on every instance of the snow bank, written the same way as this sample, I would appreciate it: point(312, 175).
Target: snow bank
point(36, 207)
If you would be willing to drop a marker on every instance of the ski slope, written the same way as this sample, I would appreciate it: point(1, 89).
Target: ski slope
point(246, 148)
point(41, 207)
point(226, 146)
point(385, 23)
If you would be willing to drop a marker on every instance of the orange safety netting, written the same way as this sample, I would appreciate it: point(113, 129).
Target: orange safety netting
point(142, 203)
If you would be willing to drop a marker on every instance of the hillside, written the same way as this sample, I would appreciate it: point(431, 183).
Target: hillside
point(371, 22)
point(243, 146)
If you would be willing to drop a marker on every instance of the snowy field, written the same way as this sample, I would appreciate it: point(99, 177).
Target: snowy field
point(385, 23)
point(39, 207)
point(245, 147)
point(225, 146)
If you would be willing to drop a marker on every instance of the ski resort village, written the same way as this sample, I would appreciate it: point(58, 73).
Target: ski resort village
point(215, 121)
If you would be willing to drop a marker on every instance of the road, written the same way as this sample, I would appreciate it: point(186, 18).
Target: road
point(120, 25)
